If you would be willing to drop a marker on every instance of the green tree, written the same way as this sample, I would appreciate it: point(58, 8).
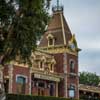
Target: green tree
point(89, 78)
point(21, 24)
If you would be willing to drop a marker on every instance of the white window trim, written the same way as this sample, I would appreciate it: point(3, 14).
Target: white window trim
point(50, 36)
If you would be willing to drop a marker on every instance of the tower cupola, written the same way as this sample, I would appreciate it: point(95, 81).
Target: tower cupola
point(57, 8)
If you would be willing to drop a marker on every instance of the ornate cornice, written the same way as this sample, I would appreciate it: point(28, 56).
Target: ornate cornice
point(59, 49)
point(50, 76)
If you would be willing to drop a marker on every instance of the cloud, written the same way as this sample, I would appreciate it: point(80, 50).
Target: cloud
point(89, 60)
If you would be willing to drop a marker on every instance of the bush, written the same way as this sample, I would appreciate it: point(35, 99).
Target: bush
point(30, 97)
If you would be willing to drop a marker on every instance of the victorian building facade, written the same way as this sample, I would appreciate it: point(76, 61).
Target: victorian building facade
point(54, 69)
point(61, 43)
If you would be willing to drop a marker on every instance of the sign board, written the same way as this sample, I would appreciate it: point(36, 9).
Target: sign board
point(46, 77)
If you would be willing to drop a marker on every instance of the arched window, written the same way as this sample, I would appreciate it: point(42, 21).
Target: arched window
point(72, 66)
point(21, 81)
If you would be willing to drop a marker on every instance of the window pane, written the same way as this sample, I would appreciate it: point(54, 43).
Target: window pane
point(21, 84)
point(21, 80)
point(50, 41)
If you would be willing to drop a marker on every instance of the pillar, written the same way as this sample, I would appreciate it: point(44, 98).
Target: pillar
point(30, 81)
point(10, 78)
point(56, 89)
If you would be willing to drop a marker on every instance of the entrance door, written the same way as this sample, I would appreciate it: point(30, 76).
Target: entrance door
point(51, 89)
point(41, 88)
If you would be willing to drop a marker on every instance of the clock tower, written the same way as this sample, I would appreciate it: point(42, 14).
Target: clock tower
point(59, 41)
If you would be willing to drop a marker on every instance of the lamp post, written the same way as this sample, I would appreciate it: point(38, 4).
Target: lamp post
point(71, 92)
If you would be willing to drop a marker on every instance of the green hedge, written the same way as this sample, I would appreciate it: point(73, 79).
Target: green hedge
point(30, 97)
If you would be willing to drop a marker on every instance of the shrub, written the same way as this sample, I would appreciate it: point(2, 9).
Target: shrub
point(30, 97)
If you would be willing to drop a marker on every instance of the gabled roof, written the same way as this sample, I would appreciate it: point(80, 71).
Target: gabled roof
point(59, 28)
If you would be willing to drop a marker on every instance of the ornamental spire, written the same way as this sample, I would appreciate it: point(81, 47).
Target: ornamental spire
point(58, 7)
point(57, 4)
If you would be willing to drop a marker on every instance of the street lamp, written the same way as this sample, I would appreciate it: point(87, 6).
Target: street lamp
point(72, 92)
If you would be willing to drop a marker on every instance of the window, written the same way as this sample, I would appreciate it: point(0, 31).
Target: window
point(21, 84)
point(50, 40)
point(41, 84)
point(51, 67)
point(72, 66)
point(42, 65)
point(51, 90)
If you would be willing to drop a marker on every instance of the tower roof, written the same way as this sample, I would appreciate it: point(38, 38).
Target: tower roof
point(58, 28)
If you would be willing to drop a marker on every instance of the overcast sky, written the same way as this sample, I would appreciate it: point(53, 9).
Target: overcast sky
point(83, 17)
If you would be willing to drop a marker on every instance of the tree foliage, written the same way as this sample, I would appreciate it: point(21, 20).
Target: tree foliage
point(21, 24)
point(89, 78)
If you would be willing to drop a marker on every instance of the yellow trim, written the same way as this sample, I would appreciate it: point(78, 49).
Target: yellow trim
point(50, 36)
point(60, 50)
point(52, 74)
point(63, 31)
point(73, 40)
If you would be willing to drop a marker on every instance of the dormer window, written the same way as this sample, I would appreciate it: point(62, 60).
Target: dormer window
point(50, 39)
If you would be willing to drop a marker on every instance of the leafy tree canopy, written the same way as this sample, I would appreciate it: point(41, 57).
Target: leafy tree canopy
point(21, 24)
point(89, 78)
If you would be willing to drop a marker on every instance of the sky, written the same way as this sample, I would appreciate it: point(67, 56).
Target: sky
point(83, 18)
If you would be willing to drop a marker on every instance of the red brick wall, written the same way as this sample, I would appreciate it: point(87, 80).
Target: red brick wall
point(61, 89)
point(47, 92)
point(59, 63)
point(35, 91)
point(5, 70)
point(74, 80)
point(20, 71)
point(59, 68)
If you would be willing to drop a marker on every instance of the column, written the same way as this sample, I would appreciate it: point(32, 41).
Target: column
point(56, 89)
point(77, 87)
point(65, 74)
point(1, 78)
point(10, 78)
point(30, 80)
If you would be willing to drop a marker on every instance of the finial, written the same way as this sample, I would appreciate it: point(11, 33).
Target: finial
point(58, 7)
point(57, 4)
